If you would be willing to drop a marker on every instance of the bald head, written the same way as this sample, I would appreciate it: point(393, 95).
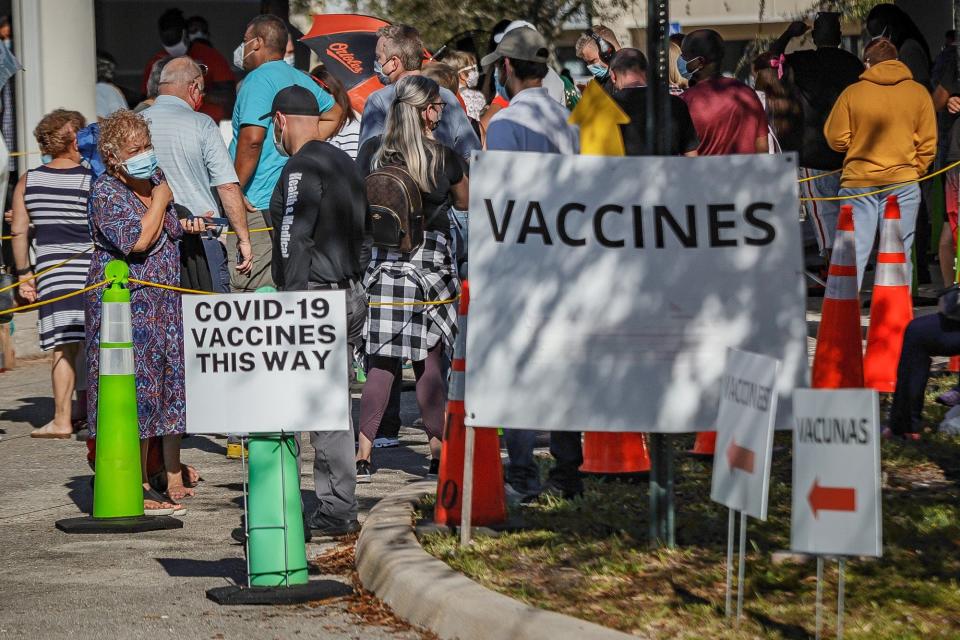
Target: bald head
point(182, 77)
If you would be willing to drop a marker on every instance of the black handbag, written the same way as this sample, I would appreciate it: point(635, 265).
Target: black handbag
point(948, 303)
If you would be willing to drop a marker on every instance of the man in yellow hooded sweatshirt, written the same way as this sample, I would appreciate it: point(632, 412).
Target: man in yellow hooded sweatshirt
point(885, 124)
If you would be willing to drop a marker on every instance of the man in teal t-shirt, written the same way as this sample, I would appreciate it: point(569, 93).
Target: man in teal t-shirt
point(256, 159)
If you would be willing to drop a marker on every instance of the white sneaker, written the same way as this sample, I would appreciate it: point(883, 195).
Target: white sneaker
point(386, 443)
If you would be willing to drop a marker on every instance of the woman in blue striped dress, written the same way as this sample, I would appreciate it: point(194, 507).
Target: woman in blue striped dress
point(53, 198)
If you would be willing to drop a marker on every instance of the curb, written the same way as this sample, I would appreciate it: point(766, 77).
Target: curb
point(426, 592)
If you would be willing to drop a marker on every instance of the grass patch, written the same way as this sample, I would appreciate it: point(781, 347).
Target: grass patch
point(590, 557)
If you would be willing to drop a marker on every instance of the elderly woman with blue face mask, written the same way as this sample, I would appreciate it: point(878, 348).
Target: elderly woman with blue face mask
point(132, 218)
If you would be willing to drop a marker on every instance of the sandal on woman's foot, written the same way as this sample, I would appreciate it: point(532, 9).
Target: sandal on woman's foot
point(187, 472)
point(47, 432)
point(155, 504)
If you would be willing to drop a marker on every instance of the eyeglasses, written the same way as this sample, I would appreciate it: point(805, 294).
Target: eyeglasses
point(439, 105)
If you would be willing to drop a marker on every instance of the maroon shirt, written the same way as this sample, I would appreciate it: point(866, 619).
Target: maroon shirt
point(727, 115)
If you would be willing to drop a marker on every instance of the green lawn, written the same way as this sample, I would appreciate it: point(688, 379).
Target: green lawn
point(590, 557)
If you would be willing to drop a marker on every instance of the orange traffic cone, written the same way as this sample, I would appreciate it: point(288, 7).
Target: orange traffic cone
point(838, 361)
point(891, 309)
point(705, 444)
point(489, 500)
point(615, 453)
point(954, 364)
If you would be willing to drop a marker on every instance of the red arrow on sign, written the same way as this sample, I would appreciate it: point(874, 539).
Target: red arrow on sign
point(831, 498)
point(740, 457)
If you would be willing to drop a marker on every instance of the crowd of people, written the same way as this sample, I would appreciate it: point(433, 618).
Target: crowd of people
point(159, 187)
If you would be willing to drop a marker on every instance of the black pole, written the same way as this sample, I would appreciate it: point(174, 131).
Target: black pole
point(658, 144)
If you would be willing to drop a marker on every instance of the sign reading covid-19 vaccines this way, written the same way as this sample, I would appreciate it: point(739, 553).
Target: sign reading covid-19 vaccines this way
point(836, 473)
point(264, 363)
point(605, 291)
point(748, 404)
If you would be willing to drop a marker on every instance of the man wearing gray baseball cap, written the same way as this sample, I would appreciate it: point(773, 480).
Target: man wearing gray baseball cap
point(533, 121)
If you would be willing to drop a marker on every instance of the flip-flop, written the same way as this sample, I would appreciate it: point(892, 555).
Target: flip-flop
point(151, 494)
point(47, 435)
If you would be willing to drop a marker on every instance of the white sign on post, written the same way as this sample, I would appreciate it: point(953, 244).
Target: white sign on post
point(266, 363)
point(836, 473)
point(748, 405)
point(606, 291)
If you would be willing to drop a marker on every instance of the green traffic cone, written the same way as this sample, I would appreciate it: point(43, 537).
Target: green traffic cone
point(118, 492)
point(274, 474)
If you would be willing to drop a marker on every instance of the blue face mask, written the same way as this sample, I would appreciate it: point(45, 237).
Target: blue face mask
point(599, 71)
point(378, 71)
point(501, 90)
point(685, 73)
point(141, 165)
point(46, 158)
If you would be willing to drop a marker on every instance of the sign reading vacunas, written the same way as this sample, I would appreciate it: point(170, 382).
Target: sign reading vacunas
point(836, 472)
point(605, 292)
point(266, 362)
point(748, 404)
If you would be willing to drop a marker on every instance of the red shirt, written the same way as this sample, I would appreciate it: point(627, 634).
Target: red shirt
point(218, 71)
point(727, 115)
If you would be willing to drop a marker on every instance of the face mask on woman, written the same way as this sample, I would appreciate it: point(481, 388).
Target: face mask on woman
point(141, 165)
point(473, 77)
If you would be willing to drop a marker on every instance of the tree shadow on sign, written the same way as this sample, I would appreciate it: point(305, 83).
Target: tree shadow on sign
point(234, 569)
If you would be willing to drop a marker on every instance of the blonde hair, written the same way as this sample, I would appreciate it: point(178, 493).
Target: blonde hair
point(459, 60)
point(443, 74)
point(404, 141)
point(674, 71)
point(116, 131)
point(57, 130)
point(602, 31)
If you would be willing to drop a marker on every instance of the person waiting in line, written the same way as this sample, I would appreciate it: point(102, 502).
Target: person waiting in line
point(946, 99)
point(595, 47)
point(420, 334)
point(53, 197)
point(773, 82)
point(445, 76)
point(132, 218)
point(533, 121)
point(820, 75)
point(153, 85)
point(885, 124)
point(726, 113)
point(257, 161)
point(109, 97)
point(677, 82)
point(628, 72)
point(468, 77)
point(196, 163)
point(347, 134)
point(319, 209)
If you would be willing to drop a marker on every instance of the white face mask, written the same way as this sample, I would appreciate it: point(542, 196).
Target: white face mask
point(473, 76)
point(177, 50)
point(238, 54)
point(278, 140)
point(290, 59)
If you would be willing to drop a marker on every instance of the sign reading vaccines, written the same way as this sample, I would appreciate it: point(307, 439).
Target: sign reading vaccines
point(266, 362)
point(605, 292)
point(836, 473)
point(748, 405)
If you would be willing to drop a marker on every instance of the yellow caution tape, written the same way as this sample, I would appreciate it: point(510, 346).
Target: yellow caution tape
point(34, 305)
point(822, 175)
point(157, 285)
point(885, 189)
point(413, 304)
point(254, 230)
point(47, 270)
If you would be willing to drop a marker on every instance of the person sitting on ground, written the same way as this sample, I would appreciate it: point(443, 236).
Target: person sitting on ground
point(424, 333)
point(132, 218)
point(628, 73)
point(886, 125)
point(53, 197)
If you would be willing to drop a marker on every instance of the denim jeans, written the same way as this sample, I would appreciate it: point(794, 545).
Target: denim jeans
point(216, 254)
point(522, 472)
point(868, 211)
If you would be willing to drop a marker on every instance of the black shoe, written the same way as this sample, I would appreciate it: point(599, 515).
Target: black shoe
point(325, 526)
point(239, 535)
point(364, 472)
point(434, 470)
point(555, 489)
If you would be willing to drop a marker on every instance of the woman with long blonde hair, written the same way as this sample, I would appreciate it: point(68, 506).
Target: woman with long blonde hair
point(397, 327)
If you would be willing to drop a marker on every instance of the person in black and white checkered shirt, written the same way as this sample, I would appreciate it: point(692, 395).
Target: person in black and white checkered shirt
point(397, 327)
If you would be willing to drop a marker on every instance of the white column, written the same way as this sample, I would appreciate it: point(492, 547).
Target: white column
point(56, 43)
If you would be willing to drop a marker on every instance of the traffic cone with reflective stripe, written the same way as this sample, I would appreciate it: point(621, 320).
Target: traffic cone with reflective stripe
point(489, 501)
point(615, 453)
point(891, 309)
point(117, 488)
point(838, 361)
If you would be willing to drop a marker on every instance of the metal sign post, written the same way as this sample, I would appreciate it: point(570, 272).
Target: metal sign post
point(819, 618)
point(731, 524)
point(741, 570)
point(842, 569)
point(466, 508)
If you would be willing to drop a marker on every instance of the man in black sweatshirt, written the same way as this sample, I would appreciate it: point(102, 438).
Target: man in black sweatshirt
point(820, 76)
point(318, 211)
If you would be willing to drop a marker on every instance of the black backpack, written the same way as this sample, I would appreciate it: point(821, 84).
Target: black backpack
point(395, 207)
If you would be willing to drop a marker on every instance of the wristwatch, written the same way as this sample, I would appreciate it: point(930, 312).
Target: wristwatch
point(23, 272)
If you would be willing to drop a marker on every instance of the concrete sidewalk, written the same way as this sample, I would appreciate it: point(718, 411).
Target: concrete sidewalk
point(54, 585)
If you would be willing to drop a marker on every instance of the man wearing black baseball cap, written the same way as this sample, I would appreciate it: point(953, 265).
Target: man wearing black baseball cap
point(318, 211)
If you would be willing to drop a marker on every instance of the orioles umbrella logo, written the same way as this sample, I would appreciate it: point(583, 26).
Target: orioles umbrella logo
point(340, 51)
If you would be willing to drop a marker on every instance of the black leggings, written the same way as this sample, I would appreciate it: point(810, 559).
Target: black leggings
point(431, 392)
